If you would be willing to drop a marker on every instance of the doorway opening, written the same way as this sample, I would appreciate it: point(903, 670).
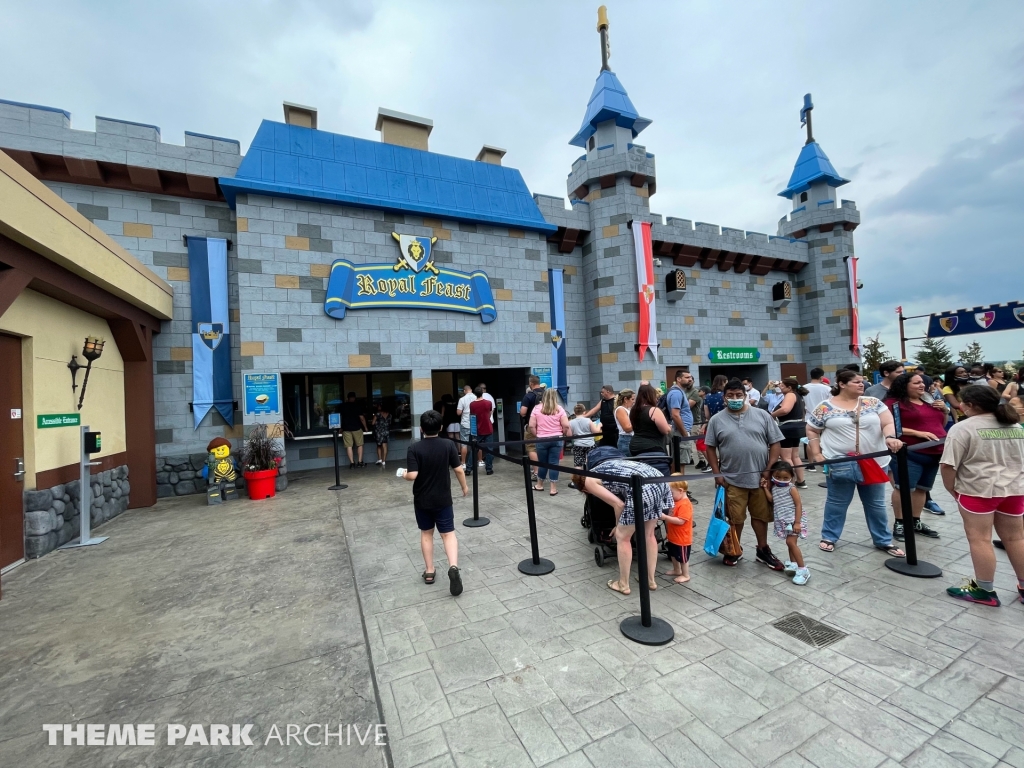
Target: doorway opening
point(756, 372)
point(507, 385)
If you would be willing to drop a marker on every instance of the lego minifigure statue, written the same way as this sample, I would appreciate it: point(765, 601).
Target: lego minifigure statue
point(220, 472)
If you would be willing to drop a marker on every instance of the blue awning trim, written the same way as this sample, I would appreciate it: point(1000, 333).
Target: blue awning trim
point(608, 101)
point(302, 163)
point(812, 165)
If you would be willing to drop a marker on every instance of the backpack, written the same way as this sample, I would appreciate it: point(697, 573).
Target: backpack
point(663, 404)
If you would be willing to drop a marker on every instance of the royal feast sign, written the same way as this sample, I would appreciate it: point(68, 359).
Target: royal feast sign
point(412, 283)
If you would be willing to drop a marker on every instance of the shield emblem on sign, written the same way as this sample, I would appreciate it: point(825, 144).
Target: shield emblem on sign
point(556, 338)
point(211, 333)
point(1018, 313)
point(985, 319)
point(948, 324)
point(415, 251)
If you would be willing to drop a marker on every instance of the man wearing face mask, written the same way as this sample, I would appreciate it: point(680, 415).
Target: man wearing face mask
point(742, 442)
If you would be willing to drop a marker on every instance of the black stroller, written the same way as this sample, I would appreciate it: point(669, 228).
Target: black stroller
point(600, 519)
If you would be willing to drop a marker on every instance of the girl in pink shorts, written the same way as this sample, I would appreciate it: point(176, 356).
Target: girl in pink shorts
point(983, 469)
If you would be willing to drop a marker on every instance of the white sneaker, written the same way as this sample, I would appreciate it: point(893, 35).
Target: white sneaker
point(379, 462)
point(480, 464)
point(463, 467)
point(802, 575)
point(383, 463)
point(789, 567)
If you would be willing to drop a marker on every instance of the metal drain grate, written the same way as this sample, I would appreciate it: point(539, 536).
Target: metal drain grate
point(808, 630)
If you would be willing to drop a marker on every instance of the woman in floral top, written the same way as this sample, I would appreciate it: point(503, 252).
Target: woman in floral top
point(832, 433)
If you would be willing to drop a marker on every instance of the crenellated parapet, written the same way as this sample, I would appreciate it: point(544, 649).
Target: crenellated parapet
point(822, 216)
point(599, 170)
point(118, 153)
point(726, 249)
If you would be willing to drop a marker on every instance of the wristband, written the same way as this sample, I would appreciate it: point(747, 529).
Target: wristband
point(891, 437)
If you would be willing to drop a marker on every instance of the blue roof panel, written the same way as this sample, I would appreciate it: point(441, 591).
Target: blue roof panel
point(608, 101)
point(811, 165)
point(295, 162)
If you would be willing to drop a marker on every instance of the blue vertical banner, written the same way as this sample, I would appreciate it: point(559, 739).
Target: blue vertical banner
point(211, 346)
point(556, 297)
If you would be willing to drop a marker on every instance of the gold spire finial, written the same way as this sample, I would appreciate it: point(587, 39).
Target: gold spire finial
point(602, 28)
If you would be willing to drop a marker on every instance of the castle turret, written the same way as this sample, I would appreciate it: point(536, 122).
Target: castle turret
point(827, 309)
point(613, 182)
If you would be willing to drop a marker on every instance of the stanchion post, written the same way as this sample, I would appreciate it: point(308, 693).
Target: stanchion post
point(909, 566)
point(644, 629)
point(475, 521)
point(536, 565)
point(338, 485)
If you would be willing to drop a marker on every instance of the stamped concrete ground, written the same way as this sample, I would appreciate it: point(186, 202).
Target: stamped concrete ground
point(250, 614)
point(531, 671)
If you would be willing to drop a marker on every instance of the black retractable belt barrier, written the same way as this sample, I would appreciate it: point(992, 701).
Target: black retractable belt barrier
point(909, 566)
point(338, 485)
point(644, 629)
point(475, 521)
point(536, 565)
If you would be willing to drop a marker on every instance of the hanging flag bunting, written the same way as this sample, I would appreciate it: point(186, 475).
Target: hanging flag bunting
point(851, 265)
point(645, 283)
point(994, 317)
point(211, 345)
point(556, 297)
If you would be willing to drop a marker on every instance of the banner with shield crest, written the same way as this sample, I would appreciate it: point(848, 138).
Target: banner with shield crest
point(963, 322)
point(211, 347)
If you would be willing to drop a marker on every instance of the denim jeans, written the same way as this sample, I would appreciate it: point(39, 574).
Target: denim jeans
point(548, 453)
point(837, 503)
point(623, 443)
point(483, 441)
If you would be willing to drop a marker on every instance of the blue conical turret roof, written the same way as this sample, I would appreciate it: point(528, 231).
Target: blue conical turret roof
point(812, 165)
point(609, 101)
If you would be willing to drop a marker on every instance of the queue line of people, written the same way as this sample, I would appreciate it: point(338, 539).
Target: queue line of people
point(751, 441)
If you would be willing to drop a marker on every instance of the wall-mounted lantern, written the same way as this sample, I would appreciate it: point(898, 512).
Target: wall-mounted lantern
point(675, 285)
point(782, 294)
point(91, 350)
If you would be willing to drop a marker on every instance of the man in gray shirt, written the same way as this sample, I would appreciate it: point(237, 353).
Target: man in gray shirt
point(890, 370)
point(742, 442)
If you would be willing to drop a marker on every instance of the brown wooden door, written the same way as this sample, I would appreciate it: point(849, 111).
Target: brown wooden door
point(797, 371)
point(12, 536)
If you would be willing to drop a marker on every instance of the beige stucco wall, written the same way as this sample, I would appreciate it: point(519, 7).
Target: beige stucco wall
point(51, 332)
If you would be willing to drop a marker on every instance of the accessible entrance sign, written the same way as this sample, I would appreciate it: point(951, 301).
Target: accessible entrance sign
point(734, 355)
point(47, 420)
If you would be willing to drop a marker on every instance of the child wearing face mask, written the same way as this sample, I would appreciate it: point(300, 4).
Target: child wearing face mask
point(790, 520)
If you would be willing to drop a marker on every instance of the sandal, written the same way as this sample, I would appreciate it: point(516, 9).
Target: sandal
point(827, 546)
point(614, 586)
point(538, 489)
point(428, 576)
point(553, 494)
point(894, 551)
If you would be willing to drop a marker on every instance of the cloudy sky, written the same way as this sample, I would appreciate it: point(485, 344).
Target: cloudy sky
point(920, 104)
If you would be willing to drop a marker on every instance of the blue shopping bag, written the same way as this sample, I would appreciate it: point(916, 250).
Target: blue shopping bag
point(718, 526)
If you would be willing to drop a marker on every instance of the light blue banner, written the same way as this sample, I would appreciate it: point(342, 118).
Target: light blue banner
point(556, 300)
point(211, 344)
point(366, 286)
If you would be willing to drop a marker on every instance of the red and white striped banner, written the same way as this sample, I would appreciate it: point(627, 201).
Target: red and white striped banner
point(645, 284)
point(854, 309)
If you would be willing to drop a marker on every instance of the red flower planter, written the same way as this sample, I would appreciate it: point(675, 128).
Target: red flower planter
point(260, 484)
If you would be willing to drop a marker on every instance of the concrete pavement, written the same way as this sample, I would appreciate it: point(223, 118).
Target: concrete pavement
point(251, 613)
